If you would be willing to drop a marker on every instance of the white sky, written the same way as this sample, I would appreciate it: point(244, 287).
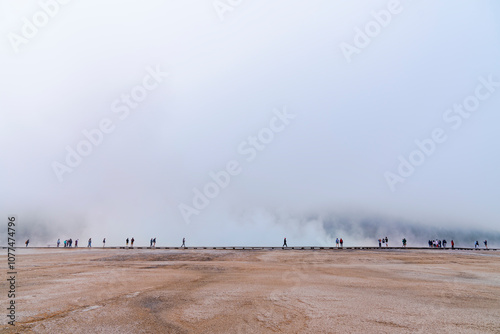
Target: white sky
point(352, 119)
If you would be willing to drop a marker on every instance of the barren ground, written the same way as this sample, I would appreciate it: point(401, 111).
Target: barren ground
point(279, 291)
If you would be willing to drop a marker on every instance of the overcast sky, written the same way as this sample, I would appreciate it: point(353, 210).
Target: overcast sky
point(311, 108)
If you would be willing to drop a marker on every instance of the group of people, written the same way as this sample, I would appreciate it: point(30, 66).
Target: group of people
point(152, 242)
point(440, 243)
point(386, 242)
point(485, 242)
point(67, 242)
point(339, 242)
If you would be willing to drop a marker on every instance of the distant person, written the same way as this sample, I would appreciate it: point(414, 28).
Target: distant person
point(486, 243)
point(58, 242)
point(430, 243)
point(452, 244)
point(337, 242)
point(76, 243)
point(284, 243)
point(379, 243)
point(476, 245)
point(154, 242)
point(103, 242)
point(126, 241)
point(90, 242)
point(151, 242)
point(341, 243)
point(444, 243)
point(70, 242)
point(386, 242)
point(183, 243)
point(27, 242)
point(132, 242)
point(404, 242)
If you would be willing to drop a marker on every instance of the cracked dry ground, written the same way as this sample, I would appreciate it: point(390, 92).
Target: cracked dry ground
point(280, 291)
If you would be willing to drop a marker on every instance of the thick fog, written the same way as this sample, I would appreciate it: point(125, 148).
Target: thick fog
point(238, 122)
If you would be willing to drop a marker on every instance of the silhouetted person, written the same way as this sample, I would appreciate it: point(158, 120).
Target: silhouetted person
point(284, 243)
point(476, 245)
point(379, 243)
point(27, 242)
point(452, 244)
point(58, 242)
point(183, 242)
point(76, 243)
point(404, 242)
point(341, 243)
point(90, 242)
point(132, 242)
point(486, 243)
point(103, 242)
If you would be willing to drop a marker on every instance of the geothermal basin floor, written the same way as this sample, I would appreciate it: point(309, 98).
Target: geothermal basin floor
point(96, 290)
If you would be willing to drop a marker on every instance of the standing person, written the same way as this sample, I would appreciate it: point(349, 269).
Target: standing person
point(341, 243)
point(337, 242)
point(154, 242)
point(452, 244)
point(486, 243)
point(70, 242)
point(284, 243)
point(132, 242)
point(27, 242)
point(386, 242)
point(404, 242)
point(444, 243)
point(65, 242)
point(76, 243)
point(126, 241)
point(379, 243)
point(90, 242)
point(103, 242)
point(183, 242)
point(58, 242)
point(476, 245)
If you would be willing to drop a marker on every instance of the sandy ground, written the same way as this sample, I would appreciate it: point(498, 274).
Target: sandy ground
point(280, 291)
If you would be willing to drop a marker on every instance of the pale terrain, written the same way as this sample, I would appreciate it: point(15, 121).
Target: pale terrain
point(244, 291)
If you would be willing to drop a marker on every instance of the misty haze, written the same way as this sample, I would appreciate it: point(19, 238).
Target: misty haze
point(242, 124)
point(235, 166)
